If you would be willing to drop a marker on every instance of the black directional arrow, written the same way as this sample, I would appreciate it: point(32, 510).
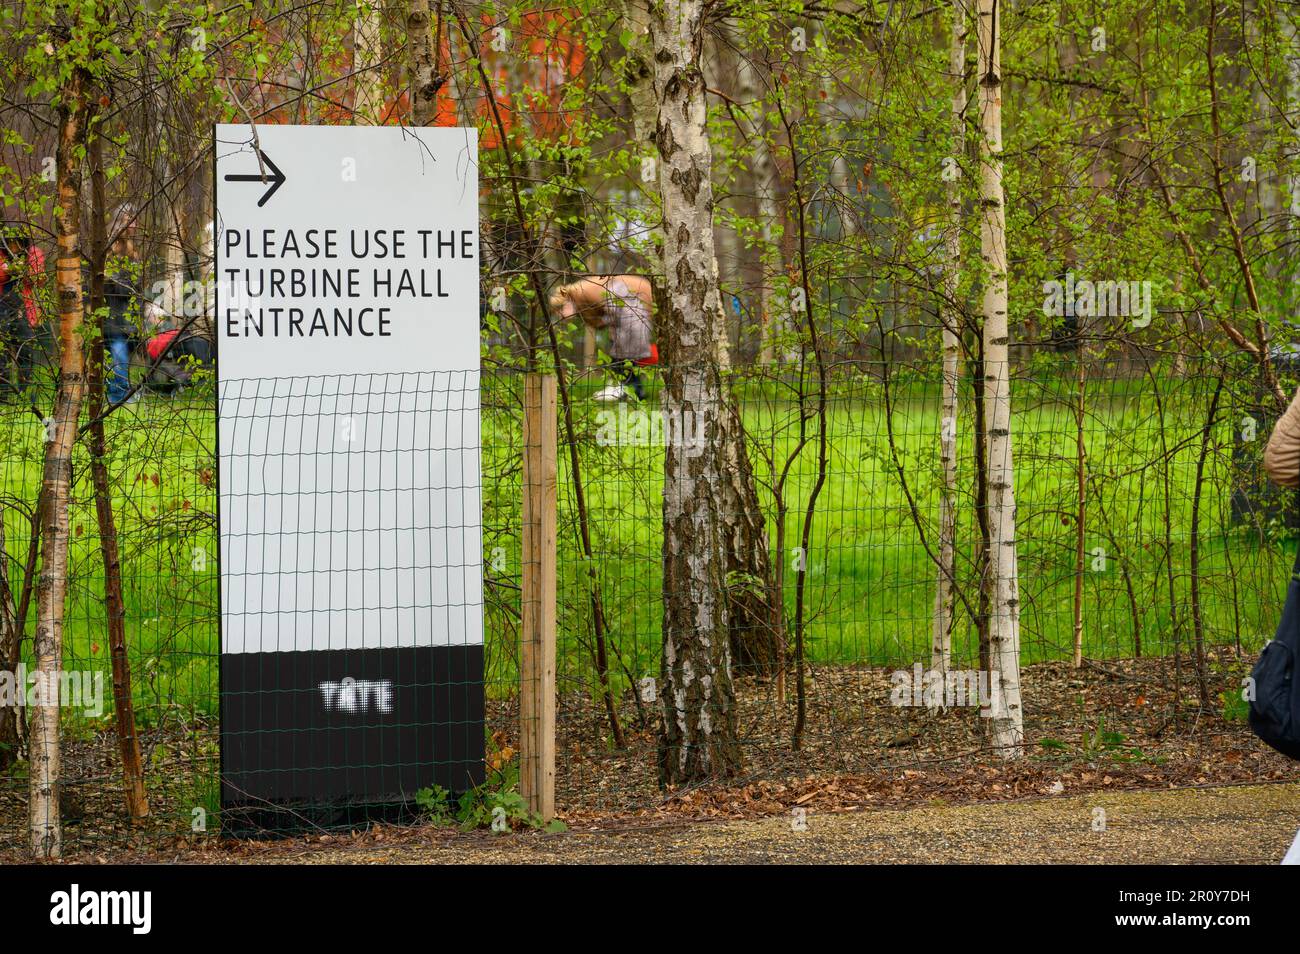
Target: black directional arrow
point(276, 180)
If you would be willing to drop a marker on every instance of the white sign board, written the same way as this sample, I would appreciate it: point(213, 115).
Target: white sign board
point(347, 330)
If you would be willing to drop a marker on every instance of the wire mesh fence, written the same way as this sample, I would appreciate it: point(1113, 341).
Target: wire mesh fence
point(1150, 547)
point(1147, 535)
point(351, 609)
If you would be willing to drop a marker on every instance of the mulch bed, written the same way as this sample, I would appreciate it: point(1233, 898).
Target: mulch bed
point(1108, 726)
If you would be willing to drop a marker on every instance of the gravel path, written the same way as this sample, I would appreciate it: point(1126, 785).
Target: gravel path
point(1246, 824)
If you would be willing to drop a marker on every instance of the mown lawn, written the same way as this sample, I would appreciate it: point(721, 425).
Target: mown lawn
point(871, 579)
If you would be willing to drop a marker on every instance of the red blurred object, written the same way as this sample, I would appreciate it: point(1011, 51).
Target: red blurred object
point(160, 343)
point(653, 359)
point(35, 268)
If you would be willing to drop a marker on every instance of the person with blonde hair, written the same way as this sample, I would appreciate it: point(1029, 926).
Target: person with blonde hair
point(622, 305)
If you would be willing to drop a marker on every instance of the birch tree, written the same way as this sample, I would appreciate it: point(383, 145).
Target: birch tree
point(1006, 726)
point(755, 623)
point(698, 739)
point(61, 434)
point(422, 52)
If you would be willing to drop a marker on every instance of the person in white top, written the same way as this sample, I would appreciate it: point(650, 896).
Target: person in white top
point(621, 304)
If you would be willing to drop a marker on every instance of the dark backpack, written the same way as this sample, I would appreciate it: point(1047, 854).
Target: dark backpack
point(1275, 710)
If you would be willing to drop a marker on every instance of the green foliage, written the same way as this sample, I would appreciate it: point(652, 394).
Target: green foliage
point(1235, 708)
point(436, 804)
point(495, 805)
point(486, 807)
point(1098, 742)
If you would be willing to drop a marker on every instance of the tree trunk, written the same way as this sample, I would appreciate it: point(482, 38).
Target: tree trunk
point(1004, 709)
point(367, 60)
point(762, 167)
point(173, 302)
point(980, 556)
point(9, 652)
point(1068, 58)
point(698, 738)
point(838, 176)
point(128, 742)
point(772, 261)
point(12, 724)
point(951, 319)
point(719, 64)
point(639, 74)
point(756, 627)
point(755, 619)
point(422, 52)
point(46, 831)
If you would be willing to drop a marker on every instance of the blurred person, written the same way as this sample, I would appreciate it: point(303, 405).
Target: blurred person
point(22, 270)
point(174, 351)
point(1282, 464)
point(121, 327)
point(621, 304)
point(1282, 453)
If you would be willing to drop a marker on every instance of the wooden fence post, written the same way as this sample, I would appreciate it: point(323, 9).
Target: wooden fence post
point(538, 570)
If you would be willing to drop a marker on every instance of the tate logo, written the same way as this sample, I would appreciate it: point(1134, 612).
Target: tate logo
point(102, 907)
point(358, 695)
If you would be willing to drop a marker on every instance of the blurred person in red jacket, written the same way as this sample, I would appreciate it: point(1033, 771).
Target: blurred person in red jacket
point(22, 272)
point(174, 351)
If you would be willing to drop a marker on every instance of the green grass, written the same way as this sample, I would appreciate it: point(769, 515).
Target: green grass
point(870, 586)
point(160, 466)
point(871, 580)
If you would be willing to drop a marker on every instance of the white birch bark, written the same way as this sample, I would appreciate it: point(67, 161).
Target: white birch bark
point(699, 722)
point(754, 616)
point(640, 78)
point(1006, 725)
point(43, 727)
